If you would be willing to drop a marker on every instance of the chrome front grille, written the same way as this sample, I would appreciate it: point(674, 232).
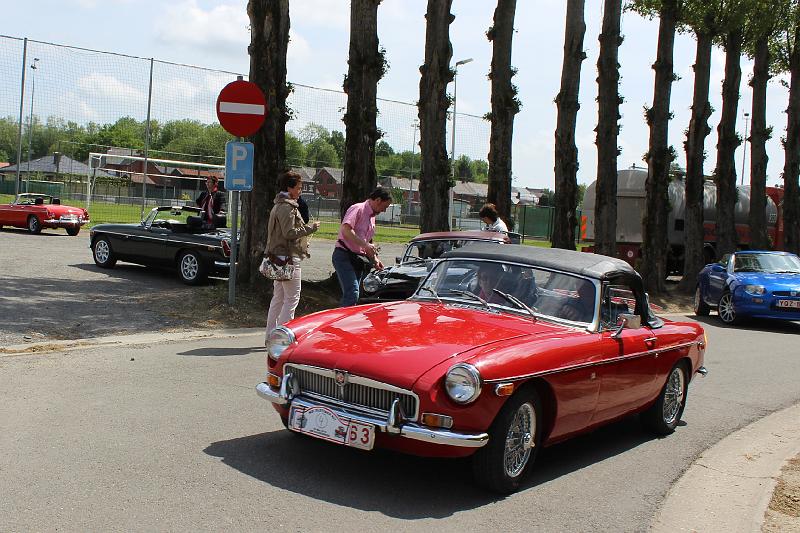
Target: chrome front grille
point(357, 392)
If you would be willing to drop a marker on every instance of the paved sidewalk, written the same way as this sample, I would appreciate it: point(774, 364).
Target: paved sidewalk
point(729, 487)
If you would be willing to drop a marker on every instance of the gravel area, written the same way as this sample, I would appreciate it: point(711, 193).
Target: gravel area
point(50, 289)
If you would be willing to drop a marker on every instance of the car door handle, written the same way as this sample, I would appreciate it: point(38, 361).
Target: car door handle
point(650, 341)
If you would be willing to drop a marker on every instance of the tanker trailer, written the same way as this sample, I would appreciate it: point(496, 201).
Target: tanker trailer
point(631, 197)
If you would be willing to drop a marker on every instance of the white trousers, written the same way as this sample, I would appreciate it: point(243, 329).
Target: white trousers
point(285, 297)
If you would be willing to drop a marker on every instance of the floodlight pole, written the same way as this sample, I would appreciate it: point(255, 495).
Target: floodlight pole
point(744, 146)
point(21, 109)
point(453, 138)
point(414, 125)
point(30, 121)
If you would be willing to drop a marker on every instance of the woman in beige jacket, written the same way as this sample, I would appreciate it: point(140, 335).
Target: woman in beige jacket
point(287, 240)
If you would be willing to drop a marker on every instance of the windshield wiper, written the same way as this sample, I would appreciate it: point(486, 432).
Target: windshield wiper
point(471, 295)
point(519, 303)
point(435, 294)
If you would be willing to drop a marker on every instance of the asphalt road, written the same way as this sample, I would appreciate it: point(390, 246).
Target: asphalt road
point(171, 435)
point(50, 288)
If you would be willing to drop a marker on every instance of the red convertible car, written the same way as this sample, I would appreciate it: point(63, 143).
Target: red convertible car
point(501, 350)
point(37, 211)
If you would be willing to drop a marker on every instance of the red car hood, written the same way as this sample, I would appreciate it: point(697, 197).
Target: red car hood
point(398, 342)
point(59, 210)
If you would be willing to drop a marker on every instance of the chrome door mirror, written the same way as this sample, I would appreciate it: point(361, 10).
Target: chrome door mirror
point(626, 321)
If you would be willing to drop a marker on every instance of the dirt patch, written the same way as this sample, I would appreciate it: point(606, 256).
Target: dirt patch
point(673, 301)
point(783, 513)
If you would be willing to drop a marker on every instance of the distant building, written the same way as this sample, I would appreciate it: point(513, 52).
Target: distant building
point(329, 182)
point(52, 168)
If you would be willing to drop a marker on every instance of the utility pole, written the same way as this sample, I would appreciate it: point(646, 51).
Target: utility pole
point(744, 146)
point(453, 133)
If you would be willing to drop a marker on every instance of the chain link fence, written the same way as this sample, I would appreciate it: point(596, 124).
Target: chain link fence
point(60, 103)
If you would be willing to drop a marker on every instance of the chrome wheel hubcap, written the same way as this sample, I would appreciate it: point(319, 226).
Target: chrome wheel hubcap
point(101, 251)
point(520, 440)
point(673, 396)
point(189, 266)
point(726, 311)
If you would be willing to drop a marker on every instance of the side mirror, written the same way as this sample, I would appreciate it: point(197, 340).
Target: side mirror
point(626, 321)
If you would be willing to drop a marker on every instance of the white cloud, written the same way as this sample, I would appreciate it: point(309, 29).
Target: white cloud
point(223, 29)
point(106, 86)
point(328, 14)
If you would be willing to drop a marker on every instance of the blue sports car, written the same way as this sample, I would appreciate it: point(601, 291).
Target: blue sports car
point(750, 284)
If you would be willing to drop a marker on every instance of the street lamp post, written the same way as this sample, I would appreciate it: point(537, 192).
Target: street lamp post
point(744, 146)
point(414, 125)
point(30, 121)
point(453, 133)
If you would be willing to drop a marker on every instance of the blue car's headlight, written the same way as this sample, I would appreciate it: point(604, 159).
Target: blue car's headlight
point(755, 290)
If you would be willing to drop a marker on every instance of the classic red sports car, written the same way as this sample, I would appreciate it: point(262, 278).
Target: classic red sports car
point(501, 350)
point(37, 211)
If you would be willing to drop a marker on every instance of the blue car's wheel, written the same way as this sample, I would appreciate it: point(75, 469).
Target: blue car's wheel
point(725, 309)
point(700, 307)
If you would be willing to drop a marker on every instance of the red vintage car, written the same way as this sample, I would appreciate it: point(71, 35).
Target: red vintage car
point(501, 350)
point(37, 211)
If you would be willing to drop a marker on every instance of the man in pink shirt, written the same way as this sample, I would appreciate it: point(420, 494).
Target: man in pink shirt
point(354, 248)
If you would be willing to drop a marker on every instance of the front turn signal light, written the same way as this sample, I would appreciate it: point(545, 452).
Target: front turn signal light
point(273, 381)
point(437, 421)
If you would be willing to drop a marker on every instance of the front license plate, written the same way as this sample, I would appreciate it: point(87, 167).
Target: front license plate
point(324, 424)
point(794, 304)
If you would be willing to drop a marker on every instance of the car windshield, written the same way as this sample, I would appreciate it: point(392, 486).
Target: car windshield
point(507, 286)
point(773, 263)
point(434, 248)
point(174, 218)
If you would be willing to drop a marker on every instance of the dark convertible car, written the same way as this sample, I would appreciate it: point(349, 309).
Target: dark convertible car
point(165, 239)
point(400, 281)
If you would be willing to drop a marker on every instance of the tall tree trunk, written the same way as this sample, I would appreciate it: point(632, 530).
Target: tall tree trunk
point(758, 140)
point(694, 234)
point(608, 101)
point(505, 106)
point(366, 68)
point(727, 143)
point(433, 103)
point(791, 167)
point(269, 41)
point(659, 156)
point(566, 156)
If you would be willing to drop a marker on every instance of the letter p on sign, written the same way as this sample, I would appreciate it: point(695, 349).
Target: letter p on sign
point(238, 166)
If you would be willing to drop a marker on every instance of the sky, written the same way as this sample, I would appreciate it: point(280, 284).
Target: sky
point(215, 35)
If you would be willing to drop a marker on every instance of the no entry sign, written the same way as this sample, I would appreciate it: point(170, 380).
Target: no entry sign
point(241, 108)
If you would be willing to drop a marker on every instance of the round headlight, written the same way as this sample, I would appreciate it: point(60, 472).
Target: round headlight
point(371, 282)
point(463, 383)
point(278, 340)
point(758, 290)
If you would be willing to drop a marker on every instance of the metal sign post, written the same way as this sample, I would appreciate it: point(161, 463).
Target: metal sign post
point(238, 177)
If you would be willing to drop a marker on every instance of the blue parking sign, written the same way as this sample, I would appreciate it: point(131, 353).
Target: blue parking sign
point(239, 166)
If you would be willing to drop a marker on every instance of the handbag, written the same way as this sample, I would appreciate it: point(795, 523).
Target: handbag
point(275, 269)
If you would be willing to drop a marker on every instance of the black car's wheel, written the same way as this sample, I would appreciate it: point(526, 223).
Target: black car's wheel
point(514, 439)
point(700, 307)
point(102, 253)
point(663, 417)
point(191, 268)
point(725, 309)
point(73, 231)
point(34, 226)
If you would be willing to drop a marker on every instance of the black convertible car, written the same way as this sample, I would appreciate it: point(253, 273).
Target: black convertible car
point(401, 280)
point(165, 239)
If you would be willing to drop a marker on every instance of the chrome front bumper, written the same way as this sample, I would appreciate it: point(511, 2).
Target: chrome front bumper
point(393, 424)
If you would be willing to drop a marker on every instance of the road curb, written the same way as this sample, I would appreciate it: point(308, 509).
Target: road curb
point(125, 340)
point(729, 487)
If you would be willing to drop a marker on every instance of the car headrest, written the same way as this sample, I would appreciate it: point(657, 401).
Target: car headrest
point(56, 201)
point(39, 201)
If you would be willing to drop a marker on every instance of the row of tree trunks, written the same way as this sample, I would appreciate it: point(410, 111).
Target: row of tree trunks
point(566, 152)
point(659, 156)
point(504, 107)
point(791, 168)
point(759, 134)
point(728, 141)
point(695, 156)
point(608, 101)
point(269, 41)
point(433, 105)
point(365, 69)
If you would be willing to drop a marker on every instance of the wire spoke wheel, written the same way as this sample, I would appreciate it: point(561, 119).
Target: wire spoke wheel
point(520, 440)
point(674, 396)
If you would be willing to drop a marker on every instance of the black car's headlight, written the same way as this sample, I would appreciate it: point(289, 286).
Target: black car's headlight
point(463, 383)
point(372, 283)
point(278, 340)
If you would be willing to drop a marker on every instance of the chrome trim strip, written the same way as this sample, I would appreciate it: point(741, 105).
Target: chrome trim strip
point(589, 365)
point(148, 237)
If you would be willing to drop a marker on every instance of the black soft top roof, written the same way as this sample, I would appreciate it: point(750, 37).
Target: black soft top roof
point(585, 264)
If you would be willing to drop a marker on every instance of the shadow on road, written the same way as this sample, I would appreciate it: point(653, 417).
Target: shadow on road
point(783, 327)
point(222, 352)
point(397, 485)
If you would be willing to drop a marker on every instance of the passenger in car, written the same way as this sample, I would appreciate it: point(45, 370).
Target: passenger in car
point(580, 309)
